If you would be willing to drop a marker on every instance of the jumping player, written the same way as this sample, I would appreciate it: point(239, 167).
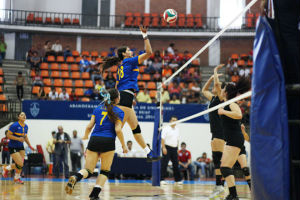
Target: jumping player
point(17, 134)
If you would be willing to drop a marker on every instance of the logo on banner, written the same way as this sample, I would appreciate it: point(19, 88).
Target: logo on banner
point(34, 109)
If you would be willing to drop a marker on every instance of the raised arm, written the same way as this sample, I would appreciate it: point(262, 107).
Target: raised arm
point(235, 112)
point(217, 83)
point(205, 89)
point(89, 127)
point(148, 48)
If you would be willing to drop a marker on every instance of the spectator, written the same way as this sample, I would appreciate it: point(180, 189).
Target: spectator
point(185, 160)
point(53, 95)
point(84, 65)
point(112, 52)
point(165, 96)
point(57, 48)
point(40, 51)
point(203, 163)
point(47, 48)
point(197, 75)
point(235, 77)
point(186, 56)
point(188, 77)
point(67, 52)
point(5, 150)
point(174, 65)
point(183, 98)
point(157, 56)
point(175, 90)
point(170, 49)
point(131, 151)
point(88, 92)
point(169, 143)
point(191, 97)
point(244, 72)
point(195, 88)
point(110, 81)
point(96, 74)
point(95, 95)
point(177, 57)
point(73, 97)
point(30, 53)
point(155, 67)
point(35, 61)
point(167, 71)
point(76, 151)
point(231, 66)
point(157, 77)
point(143, 96)
point(37, 80)
point(50, 147)
point(42, 95)
point(64, 96)
point(3, 47)
point(174, 100)
point(61, 141)
point(20, 82)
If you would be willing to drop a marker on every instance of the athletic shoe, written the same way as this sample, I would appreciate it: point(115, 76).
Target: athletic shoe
point(229, 197)
point(18, 181)
point(94, 198)
point(178, 182)
point(163, 182)
point(151, 157)
point(218, 190)
point(70, 185)
point(4, 172)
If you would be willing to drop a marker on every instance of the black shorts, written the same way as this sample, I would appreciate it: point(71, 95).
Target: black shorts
point(243, 150)
point(126, 98)
point(219, 135)
point(235, 139)
point(101, 144)
point(13, 150)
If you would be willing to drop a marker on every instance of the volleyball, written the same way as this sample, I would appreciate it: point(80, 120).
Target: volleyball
point(170, 15)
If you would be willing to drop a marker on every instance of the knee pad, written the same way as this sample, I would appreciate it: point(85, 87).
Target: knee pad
point(18, 166)
point(137, 130)
point(226, 171)
point(217, 155)
point(246, 171)
point(105, 173)
point(89, 173)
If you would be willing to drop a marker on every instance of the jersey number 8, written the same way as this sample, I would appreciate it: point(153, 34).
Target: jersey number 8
point(120, 72)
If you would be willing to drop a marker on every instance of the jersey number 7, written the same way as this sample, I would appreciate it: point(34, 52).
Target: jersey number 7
point(104, 115)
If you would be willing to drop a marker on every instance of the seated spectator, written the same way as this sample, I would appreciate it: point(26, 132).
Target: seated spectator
point(167, 71)
point(244, 71)
point(96, 74)
point(112, 52)
point(185, 160)
point(235, 77)
point(37, 80)
point(53, 95)
point(174, 64)
point(231, 66)
point(196, 89)
point(110, 81)
point(155, 67)
point(95, 95)
point(156, 77)
point(188, 77)
point(184, 97)
point(84, 65)
point(185, 88)
point(177, 57)
point(165, 96)
point(73, 97)
point(30, 53)
point(197, 75)
point(203, 163)
point(186, 56)
point(131, 151)
point(88, 92)
point(175, 90)
point(174, 100)
point(99, 84)
point(191, 97)
point(40, 51)
point(63, 96)
point(57, 48)
point(157, 56)
point(170, 49)
point(67, 52)
point(42, 95)
point(35, 61)
point(143, 96)
point(48, 49)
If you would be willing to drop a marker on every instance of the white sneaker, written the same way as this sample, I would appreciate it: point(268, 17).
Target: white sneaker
point(218, 190)
point(179, 183)
point(163, 182)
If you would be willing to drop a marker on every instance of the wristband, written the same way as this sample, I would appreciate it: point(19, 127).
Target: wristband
point(144, 35)
point(146, 38)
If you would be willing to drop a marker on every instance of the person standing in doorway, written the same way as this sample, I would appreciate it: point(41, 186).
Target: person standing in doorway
point(20, 82)
point(76, 151)
point(5, 150)
point(3, 47)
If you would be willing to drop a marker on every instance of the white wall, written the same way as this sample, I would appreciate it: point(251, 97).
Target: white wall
point(196, 136)
point(10, 40)
point(65, 6)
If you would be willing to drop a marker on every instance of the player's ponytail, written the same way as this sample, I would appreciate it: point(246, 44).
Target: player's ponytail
point(233, 89)
point(111, 61)
point(109, 98)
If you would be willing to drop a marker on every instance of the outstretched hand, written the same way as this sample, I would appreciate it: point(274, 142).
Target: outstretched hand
point(144, 29)
point(219, 66)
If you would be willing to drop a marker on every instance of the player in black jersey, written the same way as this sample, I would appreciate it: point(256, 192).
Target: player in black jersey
point(230, 117)
point(217, 141)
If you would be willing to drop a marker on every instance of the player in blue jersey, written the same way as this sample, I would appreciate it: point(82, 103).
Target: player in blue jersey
point(127, 84)
point(107, 120)
point(17, 134)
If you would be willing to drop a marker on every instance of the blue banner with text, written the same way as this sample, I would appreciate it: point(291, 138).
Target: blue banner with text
point(75, 110)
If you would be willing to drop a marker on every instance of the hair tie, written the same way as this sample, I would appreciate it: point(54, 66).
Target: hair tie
point(104, 94)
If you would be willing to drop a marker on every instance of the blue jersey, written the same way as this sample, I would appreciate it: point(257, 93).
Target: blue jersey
point(127, 74)
point(17, 131)
point(104, 127)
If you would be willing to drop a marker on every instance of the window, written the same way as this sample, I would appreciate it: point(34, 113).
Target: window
point(2, 11)
point(229, 10)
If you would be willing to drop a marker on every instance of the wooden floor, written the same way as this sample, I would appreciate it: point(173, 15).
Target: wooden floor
point(53, 189)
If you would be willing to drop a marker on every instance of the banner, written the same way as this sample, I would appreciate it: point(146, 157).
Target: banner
point(75, 110)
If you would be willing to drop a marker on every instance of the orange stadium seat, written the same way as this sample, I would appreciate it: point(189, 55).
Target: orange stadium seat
point(68, 83)
point(3, 108)
point(139, 77)
point(57, 20)
point(54, 67)
point(69, 90)
point(243, 55)
point(146, 20)
point(74, 67)
point(250, 63)
point(1, 72)
point(47, 90)
point(44, 66)
point(35, 89)
point(196, 62)
point(75, 21)
point(78, 59)
point(75, 75)
point(128, 19)
point(137, 19)
point(44, 73)
point(47, 82)
point(30, 18)
point(58, 82)
point(79, 92)
point(249, 20)
point(85, 99)
point(54, 74)
point(65, 74)
point(64, 67)
point(60, 59)
point(58, 90)
point(2, 97)
point(85, 75)
point(235, 56)
point(152, 93)
point(75, 53)
point(198, 21)
point(51, 59)
point(38, 20)
point(163, 23)
point(155, 20)
point(104, 54)
point(70, 59)
point(94, 54)
point(181, 20)
point(99, 60)
point(151, 86)
point(1, 80)
point(241, 63)
point(142, 69)
point(142, 84)
point(1, 89)
point(190, 21)
point(67, 21)
point(146, 77)
point(88, 84)
point(48, 20)
point(85, 53)
point(78, 83)
point(32, 73)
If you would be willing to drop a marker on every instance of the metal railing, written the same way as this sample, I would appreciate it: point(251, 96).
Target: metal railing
point(86, 21)
point(9, 110)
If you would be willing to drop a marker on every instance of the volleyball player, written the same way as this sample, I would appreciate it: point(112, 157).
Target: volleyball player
point(217, 141)
point(230, 117)
point(107, 122)
point(127, 74)
point(17, 134)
